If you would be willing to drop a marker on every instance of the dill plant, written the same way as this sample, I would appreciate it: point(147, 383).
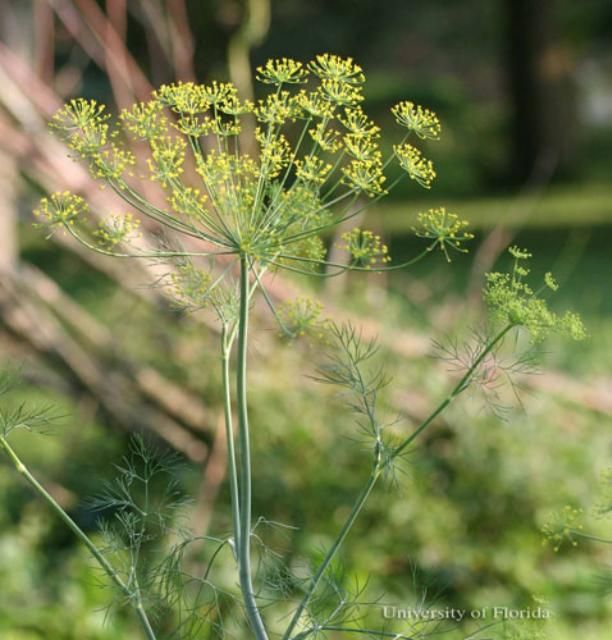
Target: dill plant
point(317, 164)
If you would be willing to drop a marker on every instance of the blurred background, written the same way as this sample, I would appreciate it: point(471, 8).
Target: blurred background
point(524, 91)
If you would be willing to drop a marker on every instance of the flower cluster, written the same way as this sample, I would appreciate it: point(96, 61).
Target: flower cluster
point(187, 98)
point(167, 159)
point(61, 209)
point(563, 526)
point(423, 122)
point(191, 285)
point(83, 125)
point(333, 68)
point(315, 153)
point(283, 71)
point(357, 123)
point(445, 229)
point(312, 170)
point(416, 166)
point(117, 229)
point(145, 120)
point(302, 317)
point(513, 300)
point(365, 248)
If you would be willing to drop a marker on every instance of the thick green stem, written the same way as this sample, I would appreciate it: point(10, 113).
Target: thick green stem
point(229, 436)
point(82, 536)
point(244, 547)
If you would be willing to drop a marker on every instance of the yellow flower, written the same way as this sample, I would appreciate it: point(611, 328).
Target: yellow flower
point(219, 92)
point(445, 229)
point(327, 139)
point(314, 104)
point(82, 124)
point(341, 93)
point(358, 123)
point(275, 153)
point(233, 106)
point(415, 118)
point(283, 71)
point(275, 109)
point(362, 148)
point(167, 158)
point(366, 176)
point(194, 126)
point(111, 163)
point(145, 120)
point(184, 97)
point(188, 201)
point(301, 317)
point(116, 229)
point(331, 67)
point(418, 168)
point(513, 300)
point(365, 248)
point(312, 169)
point(60, 209)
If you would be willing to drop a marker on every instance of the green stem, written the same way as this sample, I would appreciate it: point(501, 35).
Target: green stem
point(229, 436)
point(349, 267)
point(588, 536)
point(244, 548)
point(375, 474)
point(348, 524)
point(459, 387)
point(81, 535)
point(144, 620)
point(372, 633)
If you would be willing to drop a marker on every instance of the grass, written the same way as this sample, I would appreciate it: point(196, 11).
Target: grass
point(560, 206)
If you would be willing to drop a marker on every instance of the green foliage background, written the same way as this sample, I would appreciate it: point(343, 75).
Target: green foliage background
point(464, 523)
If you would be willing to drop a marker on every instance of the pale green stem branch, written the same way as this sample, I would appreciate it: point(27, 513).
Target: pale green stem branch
point(459, 387)
point(374, 476)
point(244, 549)
point(227, 342)
point(82, 536)
point(350, 267)
point(331, 553)
point(588, 536)
point(153, 254)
